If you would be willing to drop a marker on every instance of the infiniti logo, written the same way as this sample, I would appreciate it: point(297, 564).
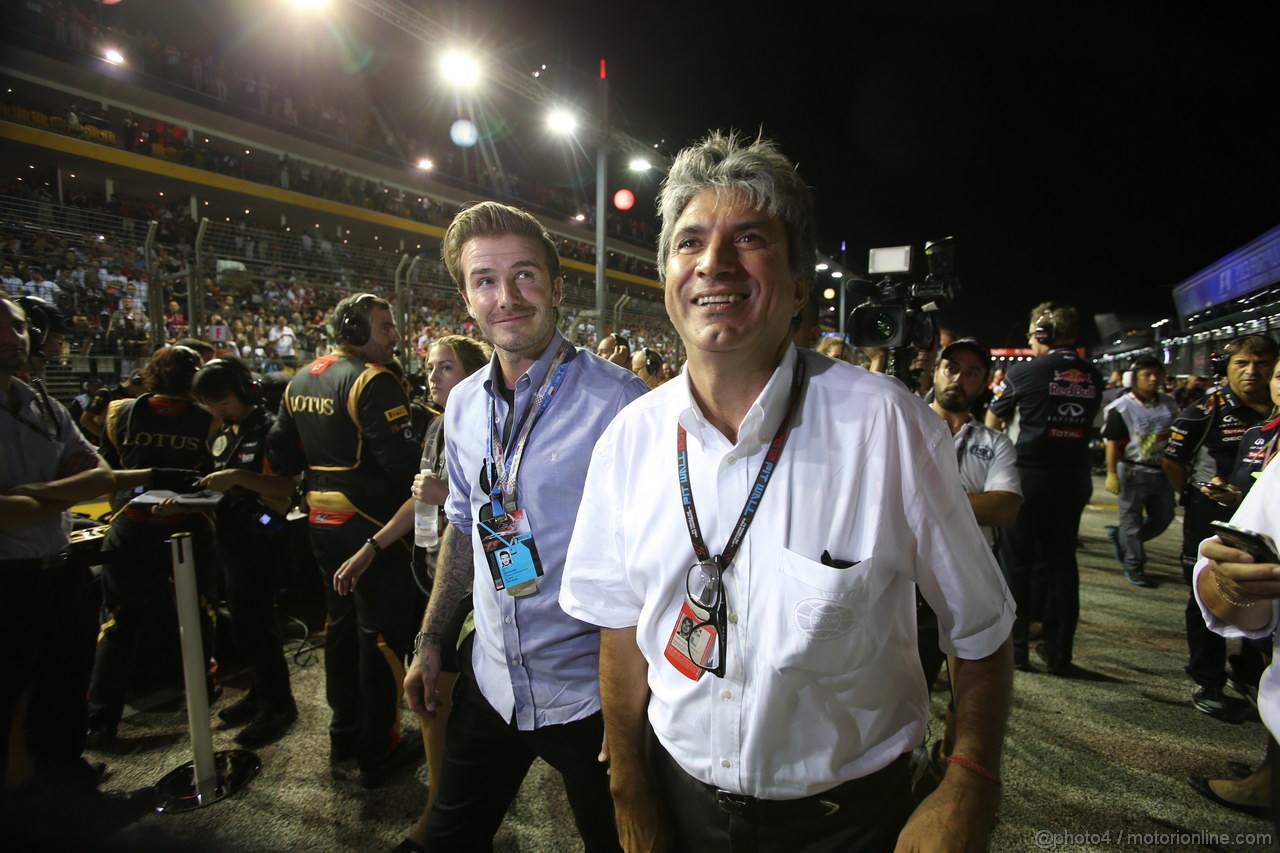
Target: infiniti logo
point(1071, 410)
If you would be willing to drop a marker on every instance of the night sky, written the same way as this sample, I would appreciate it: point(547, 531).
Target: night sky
point(1097, 154)
point(1094, 153)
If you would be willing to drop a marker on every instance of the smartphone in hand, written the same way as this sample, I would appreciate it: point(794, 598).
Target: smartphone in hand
point(1258, 545)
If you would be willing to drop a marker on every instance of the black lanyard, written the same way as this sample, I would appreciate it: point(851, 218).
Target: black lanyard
point(749, 508)
point(42, 401)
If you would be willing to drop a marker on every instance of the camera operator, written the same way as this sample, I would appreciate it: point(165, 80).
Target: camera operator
point(250, 523)
point(155, 441)
point(1202, 446)
point(95, 411)
point(1053, 399)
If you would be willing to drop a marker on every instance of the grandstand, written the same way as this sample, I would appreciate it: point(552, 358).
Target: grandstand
point(161, 201)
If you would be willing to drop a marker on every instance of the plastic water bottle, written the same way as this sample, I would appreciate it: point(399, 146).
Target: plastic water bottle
point(425, 518)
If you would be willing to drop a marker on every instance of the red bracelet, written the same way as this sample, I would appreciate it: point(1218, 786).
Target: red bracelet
point(976, 768)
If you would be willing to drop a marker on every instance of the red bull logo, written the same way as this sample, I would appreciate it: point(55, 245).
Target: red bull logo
point(1072, 382)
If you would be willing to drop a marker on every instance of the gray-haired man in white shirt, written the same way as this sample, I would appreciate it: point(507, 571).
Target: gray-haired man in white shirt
point(750, 542)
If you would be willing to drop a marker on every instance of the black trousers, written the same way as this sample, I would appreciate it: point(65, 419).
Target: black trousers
point(368, 634)
point(48, 634)
point(1045, 535)
point(251, 566)
point(1207, 651)
point(137, 586)
point(870, 815)
point(485, 760)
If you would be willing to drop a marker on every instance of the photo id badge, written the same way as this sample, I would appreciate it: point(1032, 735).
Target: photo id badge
point(688, 650)
point(510, 552)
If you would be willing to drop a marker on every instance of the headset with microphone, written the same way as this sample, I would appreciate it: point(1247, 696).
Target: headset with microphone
point(353, 327)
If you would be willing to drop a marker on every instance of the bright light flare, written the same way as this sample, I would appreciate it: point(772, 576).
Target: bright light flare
point(425, 165)
point(464, 133)
point(311, 5)
point(562, 122)
point(639, 164)
point(113, 56)
point(460, 69)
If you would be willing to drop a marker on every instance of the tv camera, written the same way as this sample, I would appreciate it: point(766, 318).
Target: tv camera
point(900, 314)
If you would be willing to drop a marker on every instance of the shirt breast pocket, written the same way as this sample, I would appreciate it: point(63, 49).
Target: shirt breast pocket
point(816, 618)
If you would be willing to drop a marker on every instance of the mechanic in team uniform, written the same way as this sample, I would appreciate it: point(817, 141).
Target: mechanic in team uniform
point(155, 441)
point(1203, 444)
point(1049, 403)
point(251, 542)
point(345, 419)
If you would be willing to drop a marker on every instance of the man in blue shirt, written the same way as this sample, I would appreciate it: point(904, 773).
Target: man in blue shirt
point(518, 439)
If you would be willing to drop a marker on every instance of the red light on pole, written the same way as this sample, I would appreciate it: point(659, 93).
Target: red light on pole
point(624, 199)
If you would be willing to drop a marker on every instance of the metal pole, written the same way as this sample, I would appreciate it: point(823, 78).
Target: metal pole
point(197, 281)
point(602, 191)
point(187, 598)
point(617, 311)
point(410, 279)
point(208, 778)
point(155, 290)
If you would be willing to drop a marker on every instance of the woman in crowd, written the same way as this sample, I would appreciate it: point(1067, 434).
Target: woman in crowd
point(449, 360)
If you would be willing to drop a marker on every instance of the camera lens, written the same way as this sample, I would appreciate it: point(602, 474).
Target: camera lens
point(884, 327)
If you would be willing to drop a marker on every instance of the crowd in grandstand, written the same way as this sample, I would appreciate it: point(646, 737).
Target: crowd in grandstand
point(337, 108)
point(102, 284)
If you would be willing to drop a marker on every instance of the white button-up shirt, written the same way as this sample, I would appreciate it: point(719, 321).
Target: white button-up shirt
point(823, 681)
point(533, 664)
point(1259, 511)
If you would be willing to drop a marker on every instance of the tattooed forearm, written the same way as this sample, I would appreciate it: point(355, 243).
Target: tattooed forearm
point(454, 573)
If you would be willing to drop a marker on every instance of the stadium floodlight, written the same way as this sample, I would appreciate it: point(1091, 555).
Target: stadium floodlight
point(562, 121)
point(113, 56)
point(459, 69)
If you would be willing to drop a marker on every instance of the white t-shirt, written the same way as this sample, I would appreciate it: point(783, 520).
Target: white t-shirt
point(988, 462)
point(823, 681)
point(282, 339)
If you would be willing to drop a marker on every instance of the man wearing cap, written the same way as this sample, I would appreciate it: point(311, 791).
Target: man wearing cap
point(987, 460)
